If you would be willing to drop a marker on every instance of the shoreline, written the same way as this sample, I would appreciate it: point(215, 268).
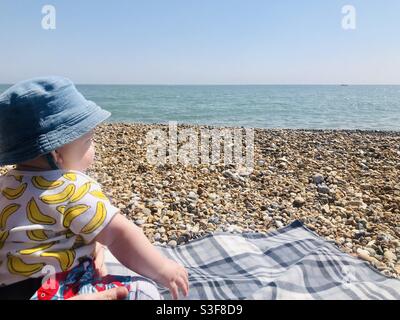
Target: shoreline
point(316, 130)
point(342, 184)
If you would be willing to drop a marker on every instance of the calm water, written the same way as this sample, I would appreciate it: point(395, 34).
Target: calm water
point(308, 107)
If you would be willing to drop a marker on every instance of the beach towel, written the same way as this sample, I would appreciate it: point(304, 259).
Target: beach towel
point(289, 263)
point(82, 279)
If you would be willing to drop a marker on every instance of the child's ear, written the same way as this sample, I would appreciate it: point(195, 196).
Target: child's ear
point(57, 157)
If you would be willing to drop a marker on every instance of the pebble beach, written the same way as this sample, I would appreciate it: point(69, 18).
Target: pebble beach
point(344, 185)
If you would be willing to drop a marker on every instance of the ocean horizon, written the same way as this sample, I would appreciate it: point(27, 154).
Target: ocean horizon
point(341, 107)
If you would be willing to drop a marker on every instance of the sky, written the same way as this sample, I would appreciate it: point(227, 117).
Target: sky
point(201, 42)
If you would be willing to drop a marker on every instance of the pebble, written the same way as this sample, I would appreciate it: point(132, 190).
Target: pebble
point(192, 195)
point(234, 229)
point(390, 256)
point(325, 209)
point(279, 224)
point(371, 243)
point(139, 222)
point(154, 203)
point(355, 203)
point(244, 172)
point(371, 251)
point(363, 254)
point(323, 188)
point(396, 243)
point(183, 239)
point(383, 237)
point(232, 175)
point(204, 170)
point(261, 163)
point(146, 211)
point(161, 230)
point(157, 236)
point(349, 245)
point(358, 234)
point(318, 178)
point(213, 220)
point(282, 165)
point(298, 202)
point(172, 243)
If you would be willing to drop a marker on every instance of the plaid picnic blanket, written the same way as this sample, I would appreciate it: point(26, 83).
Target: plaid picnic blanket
point(290, 263)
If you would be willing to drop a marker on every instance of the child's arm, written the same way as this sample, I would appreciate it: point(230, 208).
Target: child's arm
point(131, 247)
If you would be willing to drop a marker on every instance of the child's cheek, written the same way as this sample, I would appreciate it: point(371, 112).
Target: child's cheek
point(91, 153)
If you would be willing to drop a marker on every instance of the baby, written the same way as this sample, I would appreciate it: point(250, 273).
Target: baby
point(52, 214)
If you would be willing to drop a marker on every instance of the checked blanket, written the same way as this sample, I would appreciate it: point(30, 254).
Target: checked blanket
point(290, 263)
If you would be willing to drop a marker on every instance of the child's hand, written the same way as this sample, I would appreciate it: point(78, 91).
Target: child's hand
point(175, 277)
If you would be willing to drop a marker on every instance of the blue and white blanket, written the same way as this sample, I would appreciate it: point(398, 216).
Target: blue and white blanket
point(290, 263)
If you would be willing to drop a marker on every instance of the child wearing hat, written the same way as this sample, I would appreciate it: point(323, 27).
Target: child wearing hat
point(52, 214)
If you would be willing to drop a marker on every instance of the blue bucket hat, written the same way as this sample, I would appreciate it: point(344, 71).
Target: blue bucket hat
point(40, 115)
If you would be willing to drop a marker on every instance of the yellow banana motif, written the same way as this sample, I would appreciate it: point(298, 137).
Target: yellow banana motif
point(37, 235)
point(65, 258)
point(12, 194)
point(3, 238)
point(81, 192)
point(19, 267)
point(71, 213)
point(44, 184)
point(17, 177)
point(36, 249)
point(70, 176)
point(98, 194)
point(97, 220)
point(35, 216)
point(59, 197)
point(6, 213)
point(61, 209)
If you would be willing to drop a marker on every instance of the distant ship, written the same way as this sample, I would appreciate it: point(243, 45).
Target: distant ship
point(344, 85)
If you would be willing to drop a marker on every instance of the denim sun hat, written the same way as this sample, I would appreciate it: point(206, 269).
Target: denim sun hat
point(42, 114)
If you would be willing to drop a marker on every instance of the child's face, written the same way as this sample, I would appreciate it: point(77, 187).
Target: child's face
point(77, 155)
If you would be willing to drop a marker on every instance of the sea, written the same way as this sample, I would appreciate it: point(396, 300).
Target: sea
point(352, 107)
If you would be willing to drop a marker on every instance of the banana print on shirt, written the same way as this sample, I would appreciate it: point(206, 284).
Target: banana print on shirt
point(18, 177)
point(6, 213)
point(70, 176)
point(36, 216)
point(37, 235)
point(48, 218)
point(20, 268)
point(73, 212)
point(14, 193)
point(3, 238)
point(44, 184)
point(60, 197)
point(65, 258)
point(97, 220)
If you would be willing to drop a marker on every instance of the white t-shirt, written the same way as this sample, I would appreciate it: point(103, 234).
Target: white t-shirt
point(48, 218)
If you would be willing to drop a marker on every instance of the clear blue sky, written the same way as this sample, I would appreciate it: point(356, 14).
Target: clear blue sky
point(202, 42)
